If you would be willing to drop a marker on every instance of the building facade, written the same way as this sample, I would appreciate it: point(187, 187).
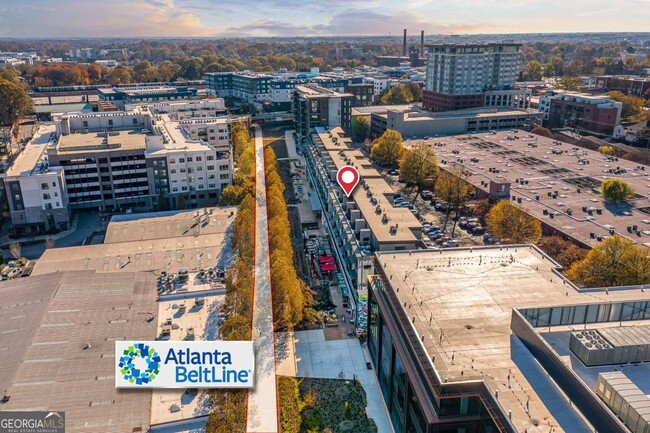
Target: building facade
point(472, 75)
point(315, 106)
point(592, 114)
point(159, 156)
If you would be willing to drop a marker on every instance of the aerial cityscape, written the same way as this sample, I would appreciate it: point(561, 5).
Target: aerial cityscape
point(324, 217)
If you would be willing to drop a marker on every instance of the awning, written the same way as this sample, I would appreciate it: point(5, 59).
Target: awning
point(326, 259)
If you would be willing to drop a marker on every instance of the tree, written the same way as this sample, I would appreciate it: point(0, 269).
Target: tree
point(632, 106)
point(549, 70)
point(397, 95)
point(453, 187)
point(616, 190)
point(614, 262)
point(507, 222)
point(14, 102)
point(540, 130)
point(642, 138)
point(562, 251)
point(360, 128)
point(14, 249)
point(418, 166)
point(290, 404)
point(416, 91)
point(570, 83)
point(388, 149)
point(607, 150)
point(533, 71)
point(119, 75)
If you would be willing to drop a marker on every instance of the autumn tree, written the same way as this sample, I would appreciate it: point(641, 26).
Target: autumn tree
point(227, 411)
point(570, 83)
point(418, 166)
point(632, 106)
point(119, 75)
point(292, 299)
point(616, 190)
point(290, 404)
point(14, 102)
point(562, 251)
point(397, 95)
point(533, 71)
point(614, 262)
point(452, 186)
point(388, 149)
point(360, 128)
point(540, 130)
point(607, 150)
point(509, 223)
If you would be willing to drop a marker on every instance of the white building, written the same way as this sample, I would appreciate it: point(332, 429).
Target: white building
point(157, 156)
point(36, 192)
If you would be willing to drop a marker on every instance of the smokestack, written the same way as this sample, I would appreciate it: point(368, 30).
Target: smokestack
point(404, 45)
point(422, 44)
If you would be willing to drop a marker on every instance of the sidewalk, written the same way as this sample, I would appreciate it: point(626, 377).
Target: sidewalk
point(262, 414)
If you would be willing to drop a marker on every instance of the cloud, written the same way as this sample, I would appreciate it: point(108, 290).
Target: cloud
point(177, 18)
point(355, 22)
point(87, 18)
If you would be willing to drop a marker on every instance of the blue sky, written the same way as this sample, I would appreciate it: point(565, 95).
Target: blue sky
point(83, 18)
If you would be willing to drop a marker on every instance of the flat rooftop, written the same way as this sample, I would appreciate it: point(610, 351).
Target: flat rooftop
point(171, 224)
point(140, 245)
point(315, 91)
point(33, 153)
point(200, 319)
point(58, 350)
point(461, 301)
point(536, 166)
point(372, 192)
point(100, 141)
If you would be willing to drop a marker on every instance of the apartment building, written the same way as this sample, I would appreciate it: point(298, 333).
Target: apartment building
point(247, 86)
point(472, 75)
point(316, 106)
point(36, 192)
point(592, 114)
point(363, 223)
point(157, 156)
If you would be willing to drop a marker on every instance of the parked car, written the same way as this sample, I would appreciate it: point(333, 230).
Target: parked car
point(426, 195)
point(14, 273)
point(441, 206)
point(451, 243)
point(477, 230)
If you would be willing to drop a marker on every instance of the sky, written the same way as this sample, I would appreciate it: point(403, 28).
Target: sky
point(229, 18)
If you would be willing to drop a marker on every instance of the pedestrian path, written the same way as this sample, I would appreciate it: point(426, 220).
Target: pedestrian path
point(262, 400)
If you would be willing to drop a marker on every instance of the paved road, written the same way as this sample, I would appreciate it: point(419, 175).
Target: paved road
point(262, 401)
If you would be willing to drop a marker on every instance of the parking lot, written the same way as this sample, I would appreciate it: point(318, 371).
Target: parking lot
point(467, 231)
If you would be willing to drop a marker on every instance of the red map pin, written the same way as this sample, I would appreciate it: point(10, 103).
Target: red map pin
point(348, 178)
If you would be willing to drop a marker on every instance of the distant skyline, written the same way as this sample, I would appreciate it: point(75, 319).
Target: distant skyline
point(223, 18)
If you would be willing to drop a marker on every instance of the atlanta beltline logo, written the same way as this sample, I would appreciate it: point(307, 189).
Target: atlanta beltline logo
point(184, 364)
